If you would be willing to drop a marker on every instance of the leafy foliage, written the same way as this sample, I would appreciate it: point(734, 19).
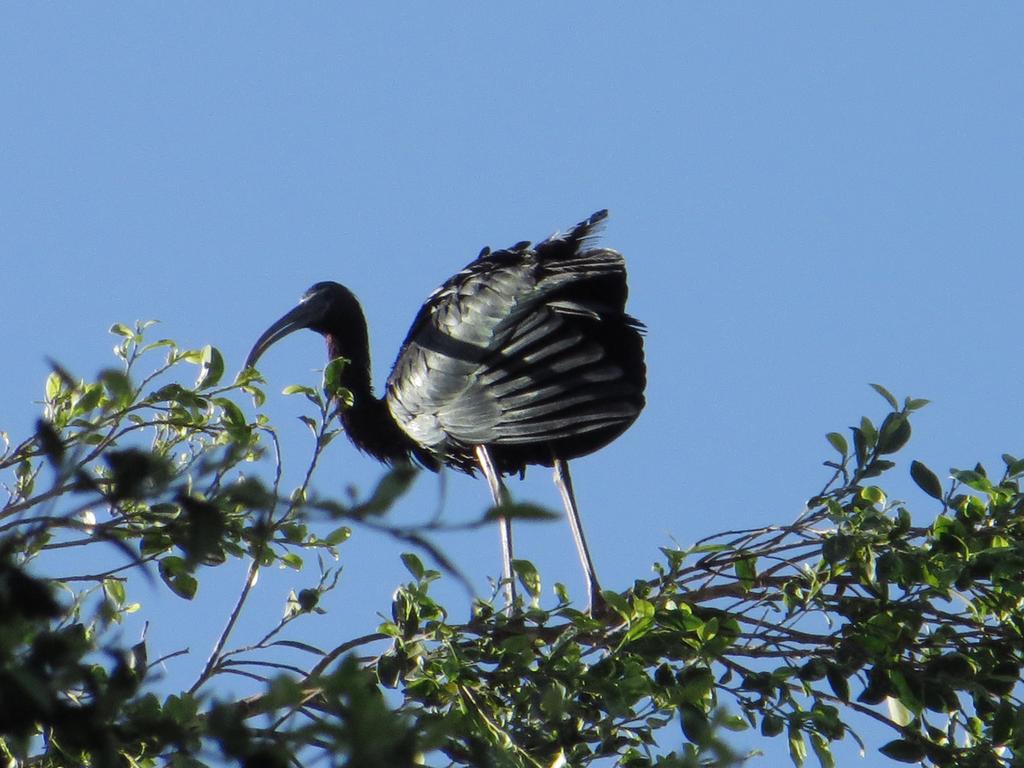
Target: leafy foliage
point(855, 610)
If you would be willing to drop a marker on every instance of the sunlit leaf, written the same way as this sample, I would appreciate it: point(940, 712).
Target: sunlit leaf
point(211, 367)
point(232, 414)
point(54, 384)
point(292, 560)
point(158, 344)
point(333, 376)
point(528, 575)
point(746, 571)
point(797, 746)
point(822, 750)
point(873, 494)
point(118, 386)
point(87, 400)
point(115, 590)
point(972, 478)
point(338, 535)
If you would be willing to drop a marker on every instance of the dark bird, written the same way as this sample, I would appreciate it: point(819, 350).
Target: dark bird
point(526, 356)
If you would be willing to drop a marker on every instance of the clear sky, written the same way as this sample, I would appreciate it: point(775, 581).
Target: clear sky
point(809, 196)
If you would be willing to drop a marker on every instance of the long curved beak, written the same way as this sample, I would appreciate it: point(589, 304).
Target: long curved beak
point(302, 316)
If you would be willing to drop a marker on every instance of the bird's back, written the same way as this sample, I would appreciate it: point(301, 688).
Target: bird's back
point(528, 351)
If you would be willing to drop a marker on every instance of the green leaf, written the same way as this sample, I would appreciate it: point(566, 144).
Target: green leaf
point(708, 630)
point(869, 431)
point(746, 571)
point(873, 494)
point(392, 486)
point(703, 548)
point(204, 526)
point(308, 598)
point(211, 367)
point(836, 548)
point(887, 395)
point(115, 590)
point(50, 441)
point(119, 329)
point(233, 415)
point(734, 723)
point(877, 467)
point(906, 691)
point(695, 724)
point(772, 725)
point(813, 669)
point(174, 572)
point(414, 565)
point(878, 687)
point(838, 682)
point(54, 383)
point(389, 670)
point(823, 751)
point(119, 387)
point(332, 376)
point(338, 535)
point(838, 442)
point(619, 604)
point(160, 343)
point(292, 560)
point(973, 479)
point(519, 511)
point(797, 746)
point(298, 389)
point(294, 532)
point(88, 400)
point(134, 473)
point(860, 445)
point(902, 751)
point(528, 575)
point(926, 480)
point(894, 434)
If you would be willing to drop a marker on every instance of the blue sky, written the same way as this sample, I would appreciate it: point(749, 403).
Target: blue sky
point(810, 196)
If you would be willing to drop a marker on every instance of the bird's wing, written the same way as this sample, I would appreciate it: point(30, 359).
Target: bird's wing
point(525, 346)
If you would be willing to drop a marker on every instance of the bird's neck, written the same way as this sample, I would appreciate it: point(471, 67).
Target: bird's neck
point(368, 422)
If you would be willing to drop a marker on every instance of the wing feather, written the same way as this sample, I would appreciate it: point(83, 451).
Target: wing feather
point(529, 349)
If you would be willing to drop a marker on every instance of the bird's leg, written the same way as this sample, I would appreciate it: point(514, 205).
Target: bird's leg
point(500, 495)
point(564, 483)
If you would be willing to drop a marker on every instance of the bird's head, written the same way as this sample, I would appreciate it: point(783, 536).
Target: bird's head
point(328, 308)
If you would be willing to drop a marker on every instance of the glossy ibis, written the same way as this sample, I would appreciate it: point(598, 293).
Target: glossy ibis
point(526, 356)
